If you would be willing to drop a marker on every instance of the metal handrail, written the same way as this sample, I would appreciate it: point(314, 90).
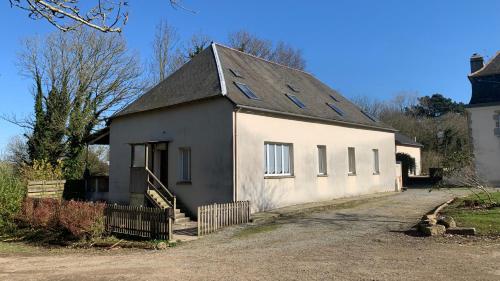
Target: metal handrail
point(161, 184)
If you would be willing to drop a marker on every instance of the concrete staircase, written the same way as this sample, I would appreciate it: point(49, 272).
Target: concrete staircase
point(159, 201)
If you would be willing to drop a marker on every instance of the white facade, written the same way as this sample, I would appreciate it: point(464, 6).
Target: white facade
point(485, 134)
point(414, 152)
point(305, 183)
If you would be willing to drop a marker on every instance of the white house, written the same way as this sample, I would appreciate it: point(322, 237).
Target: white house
point(229, 126)
point(410, 146)
point(484, 117)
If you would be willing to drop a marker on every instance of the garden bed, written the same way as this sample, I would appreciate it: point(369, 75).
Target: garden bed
point(480, 214)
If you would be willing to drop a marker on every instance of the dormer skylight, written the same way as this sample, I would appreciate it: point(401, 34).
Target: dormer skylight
point(371, 117)
point(246, 91)
point(236, 73)
point(293, 88)
point(296, 100)
point(334, 98)
point(336, 109)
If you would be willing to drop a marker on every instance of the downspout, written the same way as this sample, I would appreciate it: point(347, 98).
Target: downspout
point(235, 156)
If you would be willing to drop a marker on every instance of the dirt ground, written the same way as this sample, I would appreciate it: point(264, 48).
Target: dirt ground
point(365, 241)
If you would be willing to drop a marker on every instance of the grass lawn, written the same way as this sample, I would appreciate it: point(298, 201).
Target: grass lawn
point(486, 221)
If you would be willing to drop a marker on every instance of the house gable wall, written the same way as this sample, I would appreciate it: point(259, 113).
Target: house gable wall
point(205, 127)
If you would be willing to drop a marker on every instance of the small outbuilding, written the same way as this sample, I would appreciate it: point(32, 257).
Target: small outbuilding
point(410, 146)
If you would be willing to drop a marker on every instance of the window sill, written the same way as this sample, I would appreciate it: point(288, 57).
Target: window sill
point(322, 175)
point(184, 182)
point(278, 176)
point(351, 174)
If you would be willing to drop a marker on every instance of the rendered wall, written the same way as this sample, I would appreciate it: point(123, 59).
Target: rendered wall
point(305, 185)
point(205, 127)
point(485, 143)
point(414, 152)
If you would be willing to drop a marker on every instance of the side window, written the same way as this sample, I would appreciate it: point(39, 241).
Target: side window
point(278, 159)
point(376, 164)
point(185, 164)
point(138, 155)
point(351, 154)
point(322, 160)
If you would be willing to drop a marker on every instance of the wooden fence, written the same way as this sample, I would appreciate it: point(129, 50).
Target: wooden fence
point(46, 189)
point(216, 216)
point(152, 223)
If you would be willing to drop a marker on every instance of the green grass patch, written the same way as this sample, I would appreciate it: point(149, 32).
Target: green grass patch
point(15, 248)
point(485, 220)
point(253, 230)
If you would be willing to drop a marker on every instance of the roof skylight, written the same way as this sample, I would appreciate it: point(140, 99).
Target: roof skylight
point(371, 117)
point(336, 109)
point(236, 73)
point(246, 91)
point(334, 98)
point(293, 88)
point(296, 100)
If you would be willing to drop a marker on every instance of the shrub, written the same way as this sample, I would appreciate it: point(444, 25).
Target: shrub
point(78, 219)
point(82, 219)
point(12, 192)
point(42, 170)
point(40, 213)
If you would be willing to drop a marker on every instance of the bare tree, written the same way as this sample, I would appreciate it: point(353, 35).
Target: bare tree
point(281, 53)
point(196, 44)
point(165, 56)
point(95, 71)
point(246, 42)
point(66, 15)
point(285, 54)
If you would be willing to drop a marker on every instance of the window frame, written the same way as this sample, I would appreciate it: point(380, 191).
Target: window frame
point(351, 172)
point(497, 120)
point(267, 160)
point(296, 101)
point(181, 178)
point(249, 93)
point(133, 158)
point(322, 161)
point(376, 161)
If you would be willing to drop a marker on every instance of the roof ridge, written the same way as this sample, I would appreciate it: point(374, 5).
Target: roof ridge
point(484, 66)
point(263, 59)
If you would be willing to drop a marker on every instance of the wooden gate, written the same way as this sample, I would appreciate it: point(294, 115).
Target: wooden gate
point(216, 216)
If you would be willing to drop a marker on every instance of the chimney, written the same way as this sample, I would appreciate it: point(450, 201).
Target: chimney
point(476, 62)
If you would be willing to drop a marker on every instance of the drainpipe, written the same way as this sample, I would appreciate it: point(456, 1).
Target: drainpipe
point(235, 156)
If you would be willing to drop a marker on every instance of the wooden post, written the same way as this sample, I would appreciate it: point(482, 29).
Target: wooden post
point(170, 236)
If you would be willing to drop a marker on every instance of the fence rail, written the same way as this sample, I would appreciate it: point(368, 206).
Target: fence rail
point(216, 216)
point(153, 223)
point(46, 189)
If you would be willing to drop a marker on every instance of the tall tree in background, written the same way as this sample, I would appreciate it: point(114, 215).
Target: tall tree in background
point(437, 122)
point(281, 53)
point(80, 78)
point(164, 60)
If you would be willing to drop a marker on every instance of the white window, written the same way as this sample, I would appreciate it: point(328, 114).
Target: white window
point(321, 160)
point(138, 155)
point(376, 165)
point(278, 159)
point(184, 164)
point(351, 153)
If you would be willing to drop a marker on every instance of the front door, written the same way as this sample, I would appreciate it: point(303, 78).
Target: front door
point(160, 162)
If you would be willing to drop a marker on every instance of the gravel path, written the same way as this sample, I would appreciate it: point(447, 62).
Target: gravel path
point(362, 242)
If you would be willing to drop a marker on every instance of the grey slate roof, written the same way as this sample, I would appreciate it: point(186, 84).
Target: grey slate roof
point(490, 68)
point(402, 139)
point(199, 79)
point(486, 84)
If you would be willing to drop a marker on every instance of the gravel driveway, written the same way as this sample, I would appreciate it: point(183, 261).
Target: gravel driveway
point(365, 241)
